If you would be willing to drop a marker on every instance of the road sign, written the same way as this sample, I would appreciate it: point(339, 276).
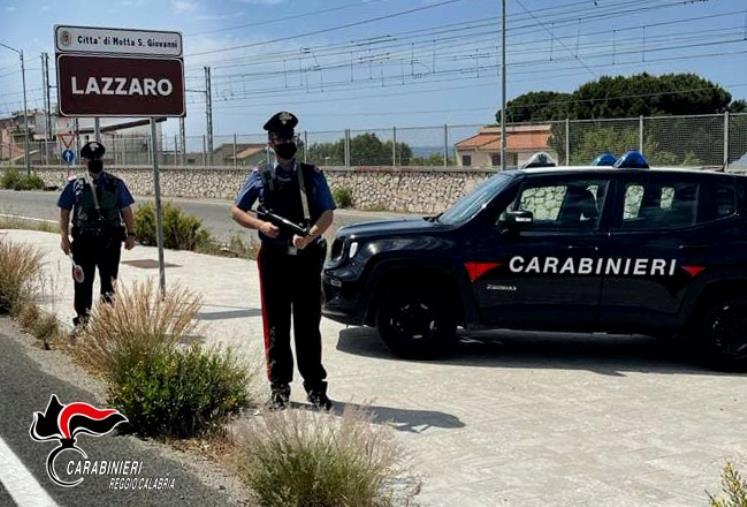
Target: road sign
point(97, 40)
point(121, 72)
point(120, 86)
point(68, 156)
point(67, 139)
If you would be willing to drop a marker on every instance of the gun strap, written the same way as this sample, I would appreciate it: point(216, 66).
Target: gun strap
point(93, 191)
point(268, 177)
point(304, 196)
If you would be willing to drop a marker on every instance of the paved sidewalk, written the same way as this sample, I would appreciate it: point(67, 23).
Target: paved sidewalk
point(512, 418)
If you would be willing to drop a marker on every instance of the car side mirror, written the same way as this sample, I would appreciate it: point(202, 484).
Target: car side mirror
point(517, 220)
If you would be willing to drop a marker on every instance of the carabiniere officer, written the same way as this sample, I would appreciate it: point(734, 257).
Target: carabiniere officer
point(99, 203)
point(289, 265)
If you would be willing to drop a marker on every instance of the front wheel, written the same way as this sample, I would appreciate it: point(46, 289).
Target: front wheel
point(724, 333)
point(416, 324)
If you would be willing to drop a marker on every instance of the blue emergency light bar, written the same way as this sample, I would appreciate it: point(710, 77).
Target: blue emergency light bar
point(632, 160)
point(605, 159)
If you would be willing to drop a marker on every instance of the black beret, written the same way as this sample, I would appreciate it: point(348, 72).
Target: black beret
point(281, 123)
point(92, 150)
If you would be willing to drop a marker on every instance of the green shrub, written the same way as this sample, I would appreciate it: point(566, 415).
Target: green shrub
point(31, 182)
point(299, 458)
point(733, 487)
point(180, 393)
point(10, 178)
point(181, 231)
point(20, 266)
point(343, 197)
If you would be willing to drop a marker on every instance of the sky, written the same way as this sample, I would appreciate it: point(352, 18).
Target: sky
point(365, 64)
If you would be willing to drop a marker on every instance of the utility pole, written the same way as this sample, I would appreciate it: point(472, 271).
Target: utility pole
point(46, 109)
point(209, 113)
point(26, 147)
point(50, 130)
point(503, 87)
point(182, 140)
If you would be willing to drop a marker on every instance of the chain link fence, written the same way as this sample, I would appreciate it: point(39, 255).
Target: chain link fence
point(680, 141)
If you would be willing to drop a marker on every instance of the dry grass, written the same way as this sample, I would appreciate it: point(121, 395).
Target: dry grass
point(136, 326)
point(20, 266)
point(734, 489)
point(10, 222)
point(300, 458)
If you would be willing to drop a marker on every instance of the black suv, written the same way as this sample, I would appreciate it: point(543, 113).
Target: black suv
point(628, 251)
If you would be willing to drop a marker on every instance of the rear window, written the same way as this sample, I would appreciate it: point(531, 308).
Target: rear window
point(719, 201)
point(655, 205)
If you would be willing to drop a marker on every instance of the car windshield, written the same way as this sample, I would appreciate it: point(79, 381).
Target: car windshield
point(466, 207)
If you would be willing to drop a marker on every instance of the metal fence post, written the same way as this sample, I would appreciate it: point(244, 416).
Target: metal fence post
point(394, 147)
point(347, 149)
point(567, 142)
point(640, 135)
point(726, 139)
point(204, 151)
point(235, 160)
point(176, 150)
point(446, 145)
point(114, 147)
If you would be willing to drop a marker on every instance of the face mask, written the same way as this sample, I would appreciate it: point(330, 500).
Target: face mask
point(285, 150)
point(95, 166)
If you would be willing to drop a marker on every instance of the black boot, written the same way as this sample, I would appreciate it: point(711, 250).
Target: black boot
point(317, 396)
point(280, 397)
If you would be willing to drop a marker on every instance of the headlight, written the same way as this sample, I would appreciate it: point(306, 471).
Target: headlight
point(353, 249)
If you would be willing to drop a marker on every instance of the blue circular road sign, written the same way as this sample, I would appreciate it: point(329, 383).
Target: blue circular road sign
point(68, 156)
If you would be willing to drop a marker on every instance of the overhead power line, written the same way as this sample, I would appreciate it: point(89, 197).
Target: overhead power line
point(330, 29)
point(291, 17)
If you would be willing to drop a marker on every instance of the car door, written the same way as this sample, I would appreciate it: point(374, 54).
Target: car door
point(659, 244)
point(543, 275)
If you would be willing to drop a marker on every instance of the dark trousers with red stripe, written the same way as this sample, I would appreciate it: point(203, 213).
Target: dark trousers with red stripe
point(290, 285)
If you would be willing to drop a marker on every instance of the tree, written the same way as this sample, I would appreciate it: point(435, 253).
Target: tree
point(625, 97)
point(542, 105)
point(365, 149)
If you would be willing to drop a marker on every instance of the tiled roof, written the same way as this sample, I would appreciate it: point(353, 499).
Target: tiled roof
point(524, 138)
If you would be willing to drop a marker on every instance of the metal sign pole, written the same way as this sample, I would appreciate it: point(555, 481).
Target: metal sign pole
point(503, 86)
point(159, 217)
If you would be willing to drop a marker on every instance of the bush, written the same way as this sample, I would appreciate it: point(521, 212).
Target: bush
point(343, 197)
point(734, 487)
point(300, 458)
point(12, 179)
point(180, 393)
point(181, 231)
point(20, 265)
point(31, 182)
point(138, 325)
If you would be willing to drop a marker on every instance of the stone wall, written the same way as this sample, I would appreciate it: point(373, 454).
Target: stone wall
point(426, 190)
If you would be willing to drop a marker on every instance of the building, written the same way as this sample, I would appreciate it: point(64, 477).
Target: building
point(127, 140)
point(483, 150)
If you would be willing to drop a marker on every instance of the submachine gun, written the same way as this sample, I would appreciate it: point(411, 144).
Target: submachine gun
point(282, 223)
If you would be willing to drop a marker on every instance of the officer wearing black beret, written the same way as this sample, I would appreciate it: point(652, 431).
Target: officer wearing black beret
point(102, 218)
point(290, 264)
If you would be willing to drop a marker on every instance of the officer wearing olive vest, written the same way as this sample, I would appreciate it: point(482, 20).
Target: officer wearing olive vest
point(99, 202)
point(290, 265)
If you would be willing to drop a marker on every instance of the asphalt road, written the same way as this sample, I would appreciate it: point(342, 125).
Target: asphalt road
point(25, 389)
point(214, 213)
